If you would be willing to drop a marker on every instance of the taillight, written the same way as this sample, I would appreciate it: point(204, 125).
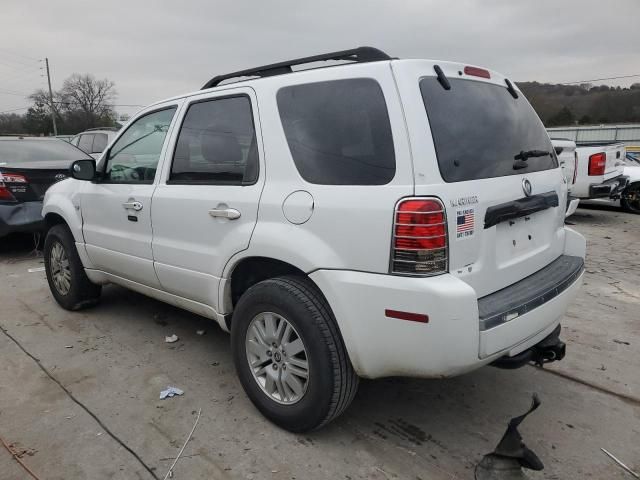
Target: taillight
point(597, 162)
point(5, 193)
point(575, 164)
point(419, 237)
point(477, 72)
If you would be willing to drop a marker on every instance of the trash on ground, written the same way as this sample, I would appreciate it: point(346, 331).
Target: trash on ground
point(68, 346)
point(172, 339)
point(36, 269)
point(170, 472)
point(200, 332)
point(170, 392)
point(511, 455)
point(627, 469)
point(621, 342)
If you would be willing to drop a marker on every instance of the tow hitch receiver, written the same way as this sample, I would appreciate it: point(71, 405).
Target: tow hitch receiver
point(550, 349)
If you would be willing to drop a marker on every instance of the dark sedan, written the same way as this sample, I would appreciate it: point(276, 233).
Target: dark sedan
point(28, 166)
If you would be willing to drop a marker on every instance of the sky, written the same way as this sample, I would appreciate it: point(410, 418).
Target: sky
point(156, 49)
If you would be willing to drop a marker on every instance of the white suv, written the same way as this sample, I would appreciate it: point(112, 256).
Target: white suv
point(375, 218)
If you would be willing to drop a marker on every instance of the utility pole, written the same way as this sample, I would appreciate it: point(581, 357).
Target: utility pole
point(53, 112)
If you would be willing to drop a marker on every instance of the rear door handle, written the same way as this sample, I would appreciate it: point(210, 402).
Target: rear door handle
point(132, 205)
point(229, 213)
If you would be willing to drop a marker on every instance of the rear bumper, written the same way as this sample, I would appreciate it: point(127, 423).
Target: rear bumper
point(21, 217)
point(452, 342)
point(610, 188)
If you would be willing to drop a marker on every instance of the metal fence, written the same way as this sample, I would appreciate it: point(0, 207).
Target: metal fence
point(627, 134)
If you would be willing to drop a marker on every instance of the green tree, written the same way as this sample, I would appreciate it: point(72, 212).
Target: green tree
point(38, 120)
point(562, 118)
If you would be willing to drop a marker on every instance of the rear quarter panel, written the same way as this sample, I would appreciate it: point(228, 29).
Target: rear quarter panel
point(350, 225)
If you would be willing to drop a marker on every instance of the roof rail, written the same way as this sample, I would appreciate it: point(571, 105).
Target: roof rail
point(356, 55)
point(111, 129)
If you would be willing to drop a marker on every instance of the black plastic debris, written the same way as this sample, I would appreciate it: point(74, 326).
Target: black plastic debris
point(511, 455)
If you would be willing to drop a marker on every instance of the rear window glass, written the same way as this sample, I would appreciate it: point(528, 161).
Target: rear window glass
point(38, 151)
point(86, 142)
point(338, 132)
point(478, 129)
point(99, 142)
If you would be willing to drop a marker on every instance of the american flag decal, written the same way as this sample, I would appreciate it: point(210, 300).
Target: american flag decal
point(464, 222)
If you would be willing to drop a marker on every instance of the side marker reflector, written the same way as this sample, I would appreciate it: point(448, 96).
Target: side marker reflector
point(412, 317)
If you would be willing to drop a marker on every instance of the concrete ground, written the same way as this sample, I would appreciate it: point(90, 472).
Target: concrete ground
point(79, 391)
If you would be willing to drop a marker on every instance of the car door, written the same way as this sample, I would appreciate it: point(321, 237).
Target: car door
point(116, 210)
point(206, 208)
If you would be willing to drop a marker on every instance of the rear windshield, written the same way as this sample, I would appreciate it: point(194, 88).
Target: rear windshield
point(38, 151)
point(478, 130)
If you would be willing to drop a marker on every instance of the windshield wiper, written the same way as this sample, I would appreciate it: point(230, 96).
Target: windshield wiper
point(522, 157)
point(526, 154)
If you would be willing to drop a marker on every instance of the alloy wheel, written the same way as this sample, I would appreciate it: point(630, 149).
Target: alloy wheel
point(277, 358)
point(60, 268)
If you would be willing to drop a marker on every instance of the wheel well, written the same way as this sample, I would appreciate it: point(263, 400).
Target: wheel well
point(52, 219)
point(256, 269)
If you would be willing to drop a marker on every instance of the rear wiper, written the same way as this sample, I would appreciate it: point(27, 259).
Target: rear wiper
point(522, 157)
point(525, 154)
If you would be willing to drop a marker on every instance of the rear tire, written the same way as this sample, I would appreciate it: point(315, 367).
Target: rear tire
point(630, 200)
point(288, 316)
point(67, 279)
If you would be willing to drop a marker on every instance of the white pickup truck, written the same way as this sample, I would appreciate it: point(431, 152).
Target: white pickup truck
point(568, 158)
point(600, 171)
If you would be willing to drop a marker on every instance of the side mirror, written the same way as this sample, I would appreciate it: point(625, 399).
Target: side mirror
point(83, 170)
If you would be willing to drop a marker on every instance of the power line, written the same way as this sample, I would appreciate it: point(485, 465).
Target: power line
point(33, 74)
point(18, 69)
point(601, 79)
point(16, 109)
point(13, 92)
point(20, 55)
point(18, 62)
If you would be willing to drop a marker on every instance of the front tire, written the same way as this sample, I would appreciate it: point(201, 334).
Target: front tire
point(67, 279)
point(289, 355)
point(630, 200)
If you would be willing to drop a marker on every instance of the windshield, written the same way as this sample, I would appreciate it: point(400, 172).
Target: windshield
point(633, 159)
point(481, 131)
point(41, 150)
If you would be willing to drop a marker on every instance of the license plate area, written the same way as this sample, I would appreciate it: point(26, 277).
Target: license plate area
point(523, 236)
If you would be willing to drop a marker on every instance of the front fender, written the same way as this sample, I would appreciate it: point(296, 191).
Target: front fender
point(63, 199)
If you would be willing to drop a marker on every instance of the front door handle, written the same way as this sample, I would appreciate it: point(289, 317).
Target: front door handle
point(229, 213)
point(132, 205)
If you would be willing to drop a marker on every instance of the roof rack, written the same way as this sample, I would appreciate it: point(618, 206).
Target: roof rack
point(111, 129)
point(356, 55)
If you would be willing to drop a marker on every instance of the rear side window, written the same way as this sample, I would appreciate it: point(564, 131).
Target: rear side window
point(217, 144)
point(478, 130)
point(86, 142)
point(99, 142)
point(339, 132)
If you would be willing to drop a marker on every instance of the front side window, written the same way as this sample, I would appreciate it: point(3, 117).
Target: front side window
point(339, 132)
point(135, 155)
point(216, 144)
